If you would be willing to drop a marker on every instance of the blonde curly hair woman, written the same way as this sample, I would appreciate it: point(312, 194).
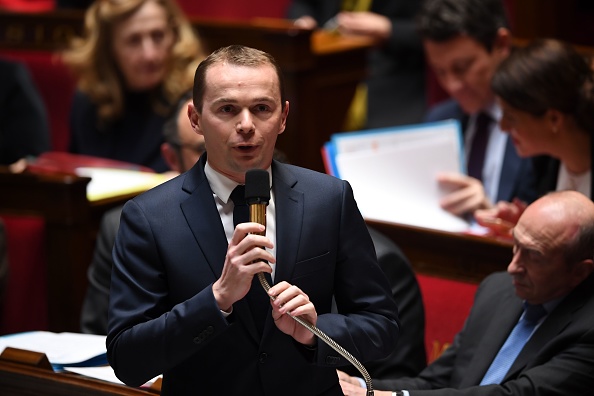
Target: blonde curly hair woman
point(133, 62)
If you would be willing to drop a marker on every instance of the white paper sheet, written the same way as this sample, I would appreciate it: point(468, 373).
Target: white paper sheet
point(393, 175)
point(109, 182)
point(60, 348)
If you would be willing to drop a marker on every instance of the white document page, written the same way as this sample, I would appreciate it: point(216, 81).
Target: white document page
point(393, 175)
point(60, 348)
point(110, 182)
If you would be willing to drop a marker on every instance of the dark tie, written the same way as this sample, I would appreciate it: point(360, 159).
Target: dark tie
point(241, 211)
point(478, 147)
point(514, 344)
point(257, 298)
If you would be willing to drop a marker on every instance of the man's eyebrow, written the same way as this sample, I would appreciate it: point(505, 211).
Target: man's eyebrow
point(224, 100)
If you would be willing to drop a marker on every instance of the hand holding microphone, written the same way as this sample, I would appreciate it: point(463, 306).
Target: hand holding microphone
point(244, 258)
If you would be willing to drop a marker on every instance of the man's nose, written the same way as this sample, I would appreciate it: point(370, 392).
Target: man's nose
point(515, 266)
point(245, 122)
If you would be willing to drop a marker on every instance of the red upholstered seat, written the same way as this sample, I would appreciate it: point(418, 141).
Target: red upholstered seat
point(24, 307)
point(447, 304)
point(56, 87)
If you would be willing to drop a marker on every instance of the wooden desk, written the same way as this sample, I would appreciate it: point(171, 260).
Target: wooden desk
point(71, 226)
point(450, 255)
point(26, 377)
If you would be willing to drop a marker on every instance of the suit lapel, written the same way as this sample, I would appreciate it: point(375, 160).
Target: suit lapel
point(554, 324)
point(201, 213)
point(289, 221)
point(503, 320)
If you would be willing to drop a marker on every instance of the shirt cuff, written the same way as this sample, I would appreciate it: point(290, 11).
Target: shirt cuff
point(361, 382)
point(226, 314)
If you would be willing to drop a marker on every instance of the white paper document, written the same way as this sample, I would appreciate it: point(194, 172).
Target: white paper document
point(110, 182)
point(393, 172)
point(61, 349)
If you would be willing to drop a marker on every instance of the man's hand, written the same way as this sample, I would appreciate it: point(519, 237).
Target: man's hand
point(244, 259)
point(351, 387)
point(466, 193)
point(292, 300)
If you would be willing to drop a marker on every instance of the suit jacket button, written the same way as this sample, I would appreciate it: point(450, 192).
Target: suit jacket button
point(332, 360)
point(263, 357)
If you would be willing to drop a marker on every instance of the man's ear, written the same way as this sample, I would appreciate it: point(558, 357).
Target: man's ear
point(555, 119)
point(170, 156)
point(284, 116)
point(503, 42)
point(194, 117)
point(582, 270)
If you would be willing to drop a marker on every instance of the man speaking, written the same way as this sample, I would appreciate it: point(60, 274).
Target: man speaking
point(184, 299)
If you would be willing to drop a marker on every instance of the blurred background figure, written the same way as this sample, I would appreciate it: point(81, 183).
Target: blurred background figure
point(546, 93)
point(23, 120)
point(465, 40)
point(181, 149)
point(394, 92)
point(134, 61)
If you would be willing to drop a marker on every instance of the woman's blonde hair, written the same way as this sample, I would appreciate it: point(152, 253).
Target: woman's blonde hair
point(90, 57)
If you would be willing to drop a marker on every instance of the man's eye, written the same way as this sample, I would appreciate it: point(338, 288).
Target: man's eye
point(227, 109)
point(262, 108)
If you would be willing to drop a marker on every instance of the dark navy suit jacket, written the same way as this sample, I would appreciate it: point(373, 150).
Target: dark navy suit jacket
point(171, 247)
point(517, 179)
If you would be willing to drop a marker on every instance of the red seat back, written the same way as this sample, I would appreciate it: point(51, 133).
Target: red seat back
point(24, 307)
point(447, 304)
point(56, 87)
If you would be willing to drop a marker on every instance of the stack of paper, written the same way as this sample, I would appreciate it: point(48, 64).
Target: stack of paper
point(61, 349)
point(393, 171)
point(84, 354)
point(112, 182)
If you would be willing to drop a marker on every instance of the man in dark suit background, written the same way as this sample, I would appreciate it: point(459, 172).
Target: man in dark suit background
point(24, 127)
point(180, 150)
point(181, 300)
point(465, 40)
point(396, 79)
point(552, 268)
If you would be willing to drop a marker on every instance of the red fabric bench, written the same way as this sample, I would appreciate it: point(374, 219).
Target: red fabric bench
point(447, 304)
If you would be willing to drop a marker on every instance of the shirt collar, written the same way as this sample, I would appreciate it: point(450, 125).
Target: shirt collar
point(221, 185)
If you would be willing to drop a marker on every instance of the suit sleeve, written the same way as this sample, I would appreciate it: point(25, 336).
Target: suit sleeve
point(142, 326)
point(367, 324)
point(409, 357)
point(95, 304)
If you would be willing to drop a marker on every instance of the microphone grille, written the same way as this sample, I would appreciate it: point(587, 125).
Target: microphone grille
point(257, 186)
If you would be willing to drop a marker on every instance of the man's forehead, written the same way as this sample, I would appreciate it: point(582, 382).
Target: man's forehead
point(226, 76)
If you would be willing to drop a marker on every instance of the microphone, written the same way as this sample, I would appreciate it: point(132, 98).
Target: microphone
point(257, 195)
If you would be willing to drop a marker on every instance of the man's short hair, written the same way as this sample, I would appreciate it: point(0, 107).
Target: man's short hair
point(238, 55)
point(442, 20)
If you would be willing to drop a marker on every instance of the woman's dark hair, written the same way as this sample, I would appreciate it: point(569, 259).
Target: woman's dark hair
point(548, 74)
